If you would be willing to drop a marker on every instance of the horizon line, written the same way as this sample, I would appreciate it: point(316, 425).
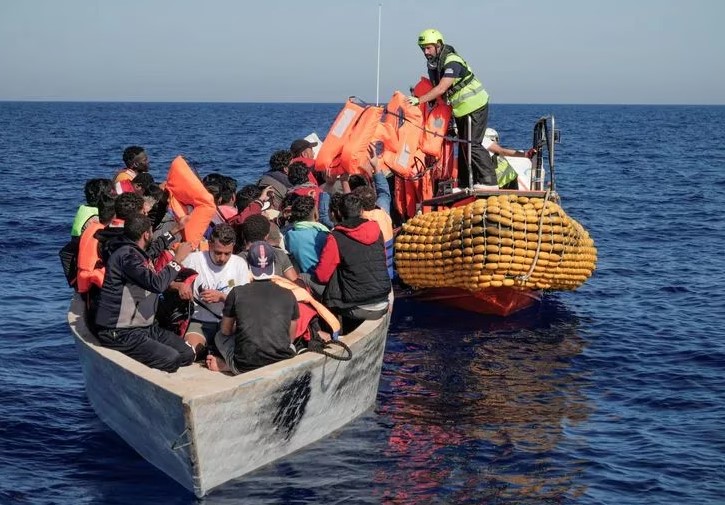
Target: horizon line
point(225, 102)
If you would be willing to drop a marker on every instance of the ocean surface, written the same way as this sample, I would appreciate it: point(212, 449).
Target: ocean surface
point(613, 394)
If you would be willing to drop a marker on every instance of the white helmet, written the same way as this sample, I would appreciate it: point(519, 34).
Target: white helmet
point(491, 134)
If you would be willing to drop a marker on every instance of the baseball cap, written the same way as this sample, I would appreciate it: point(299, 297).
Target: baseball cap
point(260, 257)
point(300, 145)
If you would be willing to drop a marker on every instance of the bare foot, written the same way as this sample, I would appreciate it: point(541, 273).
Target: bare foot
point(216, 364)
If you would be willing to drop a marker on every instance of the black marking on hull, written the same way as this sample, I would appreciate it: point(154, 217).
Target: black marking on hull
point(292, 403)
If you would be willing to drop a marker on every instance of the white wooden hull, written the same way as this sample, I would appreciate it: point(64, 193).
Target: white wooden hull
point(205, 428)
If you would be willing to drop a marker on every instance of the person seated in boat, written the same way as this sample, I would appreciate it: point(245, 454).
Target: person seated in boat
point(259, 320)
point(505, 173)
point(156, 206)
point(306, 236)
point(371, 211)
point(218, 271)
point(302, 151)
point(125, 206)
point(353, 267)
point(257, 228)
point(298, 176)
point(127, 302)
point(87, 213)
point(91, 271)
point(285, 211)
point(250, 200)
point(142, 182)
point(136, 161)
point(223, 189)
point(276, 177)
point(94, 190)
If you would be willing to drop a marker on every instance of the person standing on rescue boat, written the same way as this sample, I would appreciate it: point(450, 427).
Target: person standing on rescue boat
point(453, 78)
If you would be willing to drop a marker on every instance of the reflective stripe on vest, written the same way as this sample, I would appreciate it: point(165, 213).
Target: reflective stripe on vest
point(82, 216)
point(505, 173)
point(470, 97)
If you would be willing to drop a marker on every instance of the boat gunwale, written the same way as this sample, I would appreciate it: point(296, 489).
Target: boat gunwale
point(196, 381)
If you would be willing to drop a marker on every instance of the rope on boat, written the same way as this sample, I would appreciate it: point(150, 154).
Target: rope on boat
point(525, 277)
point(321, 346)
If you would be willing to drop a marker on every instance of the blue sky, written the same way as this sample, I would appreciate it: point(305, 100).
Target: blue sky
point(524, 51)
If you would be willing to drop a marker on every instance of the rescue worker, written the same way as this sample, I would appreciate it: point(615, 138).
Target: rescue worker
point(506, 175)
point(454, 79)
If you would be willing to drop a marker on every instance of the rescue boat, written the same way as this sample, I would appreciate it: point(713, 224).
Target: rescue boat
point(496, 251)
point(487, 251)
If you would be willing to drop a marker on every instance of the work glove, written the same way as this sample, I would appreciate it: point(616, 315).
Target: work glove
point(413, 100)
point(531, 153)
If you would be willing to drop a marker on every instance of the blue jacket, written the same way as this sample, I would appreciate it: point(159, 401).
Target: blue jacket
point(304, 240)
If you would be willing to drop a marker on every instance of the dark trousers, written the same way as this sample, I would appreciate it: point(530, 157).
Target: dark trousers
point(151, 345)
point(483, 170)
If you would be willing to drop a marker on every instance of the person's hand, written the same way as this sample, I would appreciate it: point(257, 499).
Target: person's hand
point(372, 165)
point(184, 249)
point(531, 153)
point(413, 100)
point(184, 290)
point(212, 296)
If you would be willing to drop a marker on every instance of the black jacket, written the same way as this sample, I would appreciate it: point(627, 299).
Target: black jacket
point(352, 264)
point(131, 286)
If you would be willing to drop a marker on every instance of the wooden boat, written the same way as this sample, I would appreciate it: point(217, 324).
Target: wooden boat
point(422, 253)
point(205, 428)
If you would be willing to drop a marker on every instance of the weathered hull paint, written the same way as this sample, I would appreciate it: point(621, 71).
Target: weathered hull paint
point(205, 428)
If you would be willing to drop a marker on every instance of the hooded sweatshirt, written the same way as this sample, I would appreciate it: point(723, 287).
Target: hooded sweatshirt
point(352, 264)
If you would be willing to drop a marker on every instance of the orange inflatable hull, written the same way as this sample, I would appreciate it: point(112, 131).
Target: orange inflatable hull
point(502, 301)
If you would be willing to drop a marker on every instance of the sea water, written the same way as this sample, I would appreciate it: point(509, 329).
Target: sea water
point(614, 393)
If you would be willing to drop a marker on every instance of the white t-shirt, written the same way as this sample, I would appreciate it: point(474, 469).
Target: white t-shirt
point(211, 276)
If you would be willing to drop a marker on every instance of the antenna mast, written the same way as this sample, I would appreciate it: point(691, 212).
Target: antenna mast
point(377, 84)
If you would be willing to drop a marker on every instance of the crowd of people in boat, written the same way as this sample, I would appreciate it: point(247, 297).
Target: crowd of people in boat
point(298, 257)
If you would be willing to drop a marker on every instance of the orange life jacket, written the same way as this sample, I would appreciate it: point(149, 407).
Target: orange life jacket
point(91, 271)
point(328, 157)
point(125, 174)
point(400, 131)
point(124, 186)
point(185, 189)
point(355, 151)
point(435, 120)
